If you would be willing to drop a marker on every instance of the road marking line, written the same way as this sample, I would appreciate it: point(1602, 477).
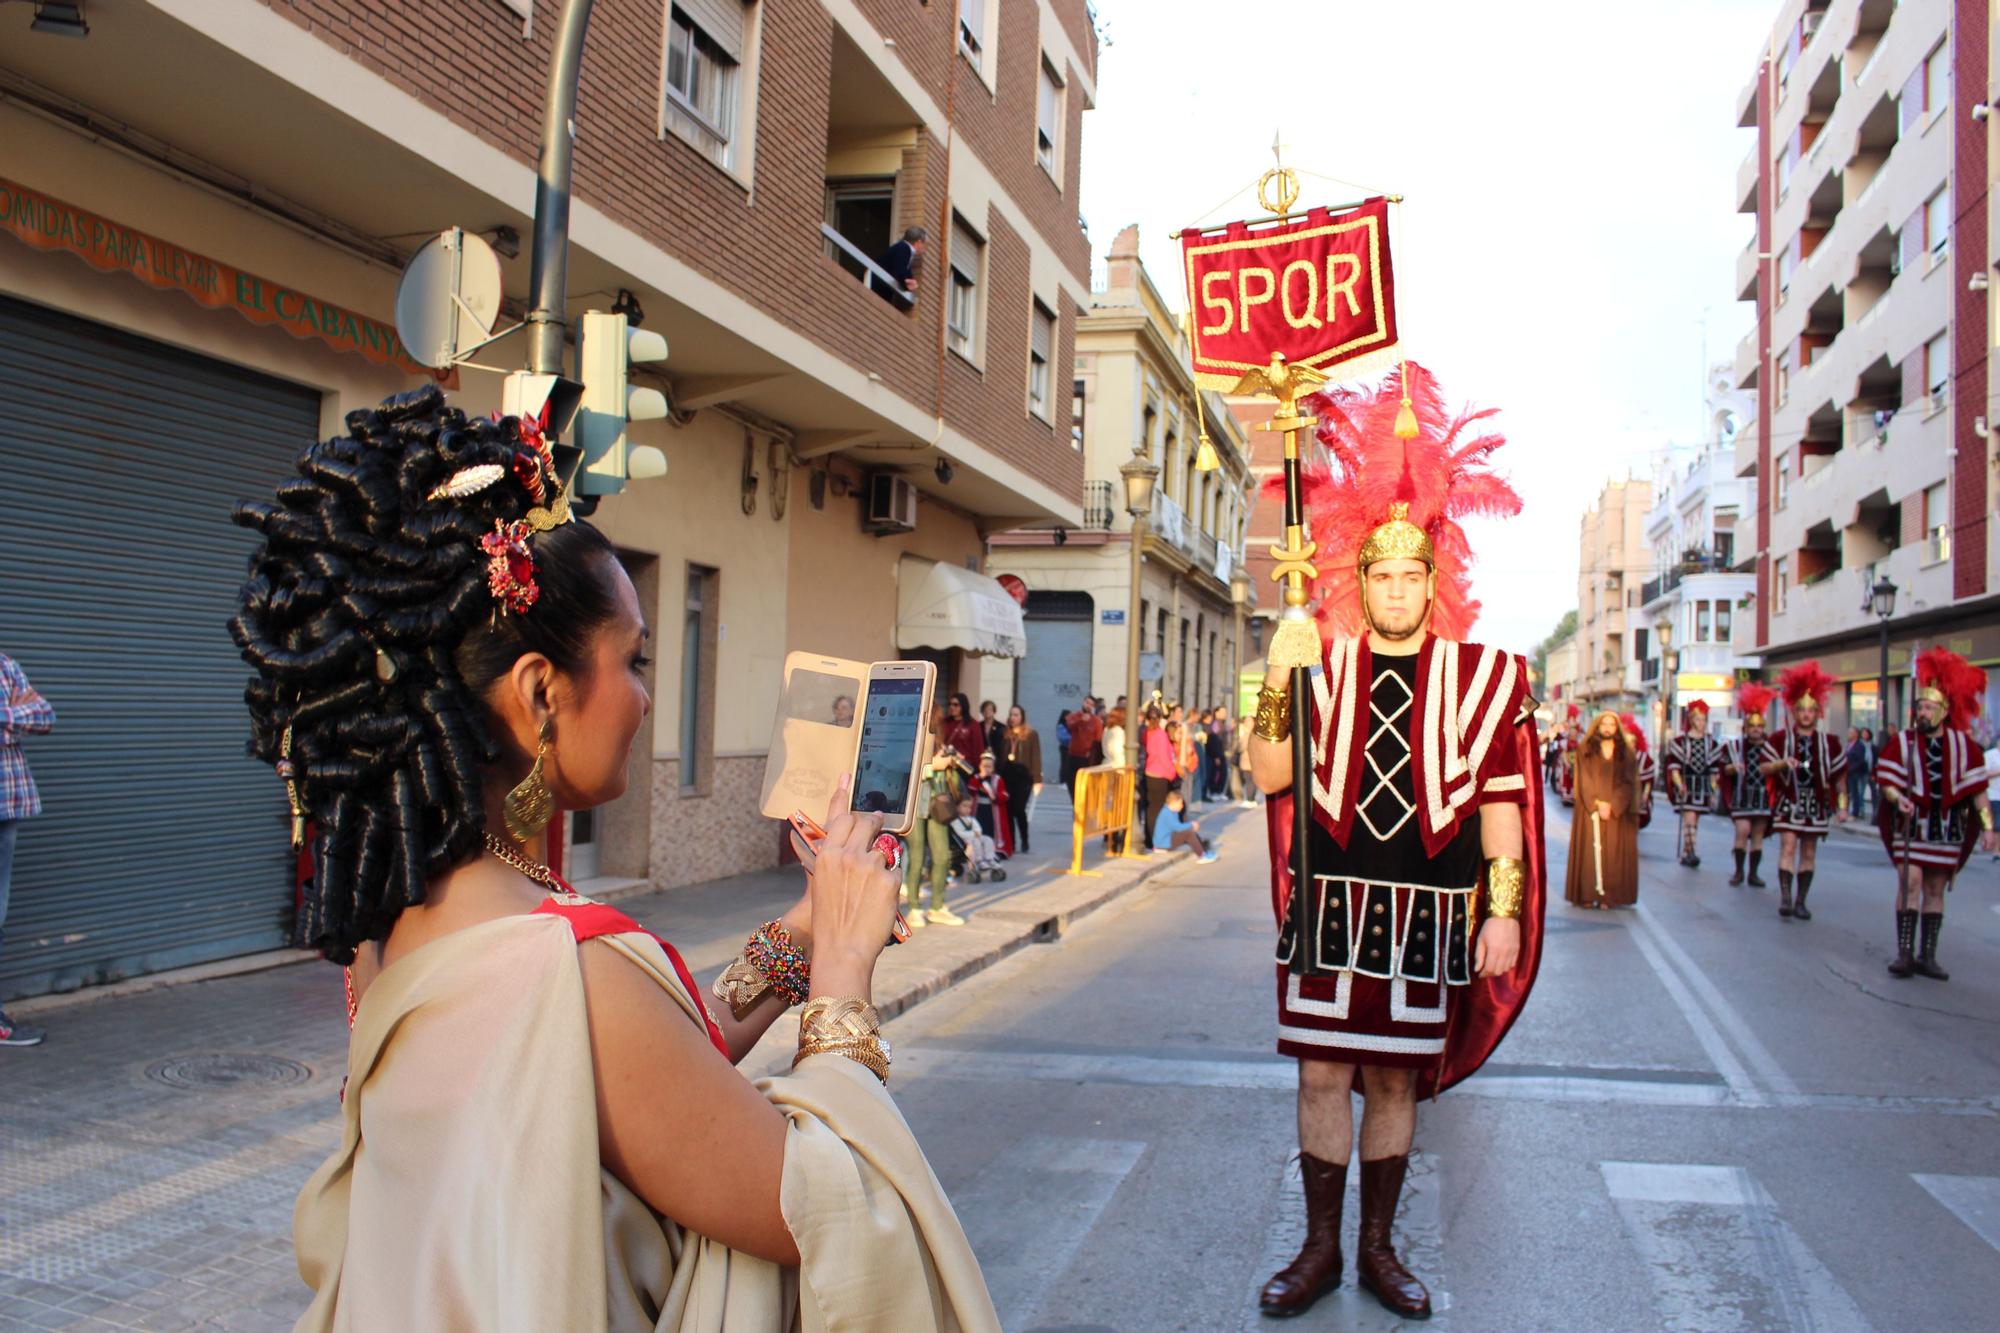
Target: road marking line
point(1065, 1185)
point(1705, 1032)
point(1719, 1254)
point(1759, 1056)
point(1974, 1199)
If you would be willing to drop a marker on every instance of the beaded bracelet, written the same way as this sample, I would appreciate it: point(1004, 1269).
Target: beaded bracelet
point(781, 963)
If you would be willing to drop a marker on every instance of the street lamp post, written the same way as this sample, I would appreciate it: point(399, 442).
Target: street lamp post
point(1669, 678)
point(1239, 600)
point(1882, 598)
point(1139, 473)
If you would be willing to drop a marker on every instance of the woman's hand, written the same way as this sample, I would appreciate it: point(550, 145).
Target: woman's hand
point(852, 899)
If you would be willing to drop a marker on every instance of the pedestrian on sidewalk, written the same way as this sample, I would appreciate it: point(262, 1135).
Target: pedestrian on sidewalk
point(1860, 770)
point(1222, 779)
point(556, 1134)
point(1197, 752)
point(23, 712)
point(1604, 829)
point(1173, 830)
point(1021, 768)
point(938, 795)
point(1159, 771)
point(1086, 735)
point(961, 732)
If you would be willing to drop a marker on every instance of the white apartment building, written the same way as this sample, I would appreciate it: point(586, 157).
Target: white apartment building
point(1870, 454)
point(1696, 595)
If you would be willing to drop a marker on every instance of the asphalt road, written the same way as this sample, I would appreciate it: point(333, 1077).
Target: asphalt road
point(1708, 1118)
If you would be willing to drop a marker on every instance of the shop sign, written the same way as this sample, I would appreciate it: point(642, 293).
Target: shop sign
point(111, 247)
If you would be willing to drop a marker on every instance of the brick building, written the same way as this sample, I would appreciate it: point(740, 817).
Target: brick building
point(1869, 264)
point(738, 165)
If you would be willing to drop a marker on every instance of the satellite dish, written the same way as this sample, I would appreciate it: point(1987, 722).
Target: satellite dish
point(449, 297)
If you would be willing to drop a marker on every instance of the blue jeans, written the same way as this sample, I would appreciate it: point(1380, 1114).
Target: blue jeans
point(7, 827)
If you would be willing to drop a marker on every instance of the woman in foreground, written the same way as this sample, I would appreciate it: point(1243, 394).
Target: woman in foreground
point(542, 1127)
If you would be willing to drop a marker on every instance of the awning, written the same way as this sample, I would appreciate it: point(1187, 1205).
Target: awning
point(943, 606)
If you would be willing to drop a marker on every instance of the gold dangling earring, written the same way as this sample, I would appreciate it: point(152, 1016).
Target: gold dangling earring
point(531, 805)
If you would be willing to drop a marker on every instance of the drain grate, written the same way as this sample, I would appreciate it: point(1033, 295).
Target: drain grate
point(219, 1071)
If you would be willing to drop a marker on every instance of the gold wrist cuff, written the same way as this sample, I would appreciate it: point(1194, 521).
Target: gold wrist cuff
point(1505, 887)
point(740, 986)
point(848, 1027)
point(1986, 817)
point(1274, 714)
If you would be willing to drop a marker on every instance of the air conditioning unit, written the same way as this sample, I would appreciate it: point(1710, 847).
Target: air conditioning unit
point(892, 504)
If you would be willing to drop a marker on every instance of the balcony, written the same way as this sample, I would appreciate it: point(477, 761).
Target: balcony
point(870, 274)
point(1748, 266)
point(1746, 183)
point(1169, 522)
point(1749, 359)
point(1099, 505)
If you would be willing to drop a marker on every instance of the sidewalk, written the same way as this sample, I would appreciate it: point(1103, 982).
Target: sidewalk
point(150, 1151)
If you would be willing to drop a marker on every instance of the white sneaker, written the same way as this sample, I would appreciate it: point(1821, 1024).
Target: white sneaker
point(915, 918)
point(943, 916)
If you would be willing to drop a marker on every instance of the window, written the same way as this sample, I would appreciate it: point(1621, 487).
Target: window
point(1076, 414)
point(972, 30)
point(863, 210)
point(1723, 631)
point(1041, 349)
point(1703, 626)
point(1781, 377)
point(698, 87)
point(1725, 551)
point(699, 637)
point(1937, 524)
point(1788, 264)
point(1937, 79)
point(968, 258)
point(1937, 222)
point(1048, 121)
point(1784, 170)
point(1148, 424)
point(1937, 368)
point(1781, 479)
point(1781, 582)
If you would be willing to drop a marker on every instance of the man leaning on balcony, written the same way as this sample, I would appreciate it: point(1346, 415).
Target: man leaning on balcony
point(901, 262)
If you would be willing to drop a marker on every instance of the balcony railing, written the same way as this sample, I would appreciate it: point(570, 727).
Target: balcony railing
point(1170, 523)
point(843, 252)
point(1098, 505)
point(1649, 670)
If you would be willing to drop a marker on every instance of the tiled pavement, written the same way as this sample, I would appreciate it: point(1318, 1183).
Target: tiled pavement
point(150, 1151)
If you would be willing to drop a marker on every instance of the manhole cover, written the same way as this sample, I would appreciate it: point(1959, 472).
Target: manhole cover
point(220, 1072)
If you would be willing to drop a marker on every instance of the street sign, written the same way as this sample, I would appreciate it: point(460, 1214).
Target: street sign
point(1152, 666)
point(1116, 617)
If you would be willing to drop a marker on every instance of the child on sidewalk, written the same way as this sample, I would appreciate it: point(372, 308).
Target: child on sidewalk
point(981, 857)
point(1173, 829)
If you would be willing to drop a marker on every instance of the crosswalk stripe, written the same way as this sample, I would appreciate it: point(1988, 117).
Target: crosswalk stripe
point(1720, 1255)
point(1066, 1183)
point(1974, 1199)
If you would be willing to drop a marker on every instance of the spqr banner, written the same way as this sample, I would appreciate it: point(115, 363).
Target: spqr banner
point(1319, 290)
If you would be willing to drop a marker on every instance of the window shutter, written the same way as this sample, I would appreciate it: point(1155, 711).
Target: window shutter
point(1045, 333)
point(964, 250)
point(720, 20)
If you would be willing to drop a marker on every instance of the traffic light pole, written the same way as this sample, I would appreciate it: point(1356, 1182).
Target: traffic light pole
point(550, 272)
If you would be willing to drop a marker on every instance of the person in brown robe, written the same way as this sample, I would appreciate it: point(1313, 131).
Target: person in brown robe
point(1607, 783)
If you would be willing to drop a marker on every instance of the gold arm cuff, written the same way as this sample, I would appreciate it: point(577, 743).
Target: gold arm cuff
point(848, 1027)
point(1274, 714)
point(870, 1055)
point(740, 986)
point(1986, 817)
point(1505, 887)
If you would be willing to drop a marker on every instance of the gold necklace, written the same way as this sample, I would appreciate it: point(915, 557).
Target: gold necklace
point(534, 870)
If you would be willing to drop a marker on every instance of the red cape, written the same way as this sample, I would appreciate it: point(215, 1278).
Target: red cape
point(1491, 1004)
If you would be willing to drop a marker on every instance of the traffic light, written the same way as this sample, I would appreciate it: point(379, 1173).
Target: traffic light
point(607, 347)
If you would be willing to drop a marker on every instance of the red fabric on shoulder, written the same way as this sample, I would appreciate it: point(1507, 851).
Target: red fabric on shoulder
point(587, 921)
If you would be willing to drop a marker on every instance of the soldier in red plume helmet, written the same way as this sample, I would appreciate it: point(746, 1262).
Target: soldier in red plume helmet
point(1693, 764)
point(1649, 769)
point(1805, 766)
point(1746, 793)
point(1408, 954)
point(1566, 770)
point(1933, 780)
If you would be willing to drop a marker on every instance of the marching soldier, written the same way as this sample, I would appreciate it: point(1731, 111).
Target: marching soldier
point(1694, 762)
point(1746, 794)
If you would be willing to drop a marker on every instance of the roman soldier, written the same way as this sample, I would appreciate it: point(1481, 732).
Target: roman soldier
point(1746, 792)
point(1566, 768)
point(1933, 780)
point(1694, 763)
point(1805, 766)
point(1649, 770)
point(1407, 954)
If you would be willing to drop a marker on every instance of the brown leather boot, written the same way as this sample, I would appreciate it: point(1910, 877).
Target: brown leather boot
point(1906, 944)
point(1376, 1266)
point(1316, 1271)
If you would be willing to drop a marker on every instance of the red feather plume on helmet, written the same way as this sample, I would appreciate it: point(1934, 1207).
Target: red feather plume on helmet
point(1698, 706)
point(1963, 684)
point(1443, 474)
point(1807, 678)
point(1754, 700)
point(1630, 722)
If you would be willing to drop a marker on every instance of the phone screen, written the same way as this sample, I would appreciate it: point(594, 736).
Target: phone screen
point(888, 749)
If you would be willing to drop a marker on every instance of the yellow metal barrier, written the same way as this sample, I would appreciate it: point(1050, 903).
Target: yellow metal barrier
point(1105, 804)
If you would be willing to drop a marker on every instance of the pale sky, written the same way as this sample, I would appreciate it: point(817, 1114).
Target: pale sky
point(1569, 167)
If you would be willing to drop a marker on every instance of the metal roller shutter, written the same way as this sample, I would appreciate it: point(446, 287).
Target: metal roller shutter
point(160, 844)
point(1054, 677)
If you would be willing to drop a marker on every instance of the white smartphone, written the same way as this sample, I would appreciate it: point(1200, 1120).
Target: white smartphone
point(890, 748)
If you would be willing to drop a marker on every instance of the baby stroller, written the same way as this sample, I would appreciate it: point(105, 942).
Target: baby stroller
point(973, 854)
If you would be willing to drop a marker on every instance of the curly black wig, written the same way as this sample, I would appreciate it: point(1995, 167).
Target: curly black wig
point(368, 620)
